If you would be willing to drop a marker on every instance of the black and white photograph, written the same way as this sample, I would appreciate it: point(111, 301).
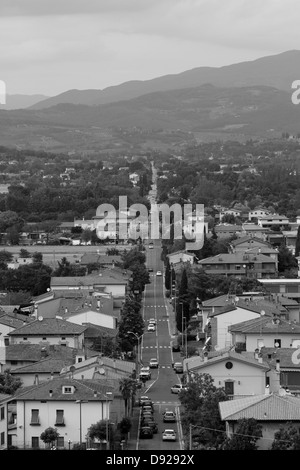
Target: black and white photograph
point(149, 228)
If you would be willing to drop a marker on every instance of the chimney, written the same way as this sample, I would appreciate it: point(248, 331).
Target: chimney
point(256, 353)
point(260, 359)
point(50, 393)
point(52, 376)
point(267, 390)
point(95, 394)
point(277, 365)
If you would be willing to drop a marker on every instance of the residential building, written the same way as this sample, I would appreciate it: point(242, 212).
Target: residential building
point(269, 332)
point(272, 411)
point(257, 212)
point(287, 287)
point(275, 219)
point(4, 420)
point(47, 331)
point(90, 283)
point(69, 405)
point(239, 375)
point(248, 242)
point(181, 256)
point(240, 265)
point(227, 230)
point(254, 230)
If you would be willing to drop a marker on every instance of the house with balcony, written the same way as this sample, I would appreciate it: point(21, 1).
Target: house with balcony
point(257, 212)
point(9, 323)
point(270, 221)
point(240, 265)
point(49, 331)
point(239, 375)
point(227, 230)
point(272, 411)
point(287, 363)
point(69, 405)
point(248, 242)
point(266, 331)
point(286, 287)
point(254, 230)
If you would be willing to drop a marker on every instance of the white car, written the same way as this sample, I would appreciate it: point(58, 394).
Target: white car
point(169, 435)
point(153, 363)
point(177, 388)
point(159, 273)
point(152, 320)
point(151, 327)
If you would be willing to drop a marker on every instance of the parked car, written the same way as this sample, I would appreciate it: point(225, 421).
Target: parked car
point(151, 327)
point(146, 432)
point(150, 270)
point(153, 363)
point(178, 367)
point(151, 423)
point(177, 388)
point(143, 398)
point(147, 405)
point(169, 417)
point(175, 345)
point(152, 320)
point(158, 273)
point(169, 435)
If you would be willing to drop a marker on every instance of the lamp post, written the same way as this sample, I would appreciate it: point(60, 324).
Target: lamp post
point(184, 332)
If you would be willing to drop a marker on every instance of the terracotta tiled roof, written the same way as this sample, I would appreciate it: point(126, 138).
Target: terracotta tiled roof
point(32, 352)
point(48, 365)
point(198, 363)
point(265, 325)
point(49, 326)
point(271, 407)
point(85, 281)
point(84, 390)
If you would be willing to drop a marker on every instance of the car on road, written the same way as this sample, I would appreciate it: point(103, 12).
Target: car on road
point(177, 388)
point(151, 245)
point(158, 273)
point(150, 270)
point(151, 327)
point(153, 363)
point(143, 398)
point(169, 435)
point(147, 408)
point(145, 373)
point(146, 432)
point(152, 320)
point(169, 417)
point(151, 423)
point(178, 367)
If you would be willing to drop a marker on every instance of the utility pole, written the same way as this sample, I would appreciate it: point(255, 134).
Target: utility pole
point(190, 438)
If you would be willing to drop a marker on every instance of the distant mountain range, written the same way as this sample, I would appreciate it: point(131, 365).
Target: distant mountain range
point(22, 101)
point(250, 99)
point(278, 71)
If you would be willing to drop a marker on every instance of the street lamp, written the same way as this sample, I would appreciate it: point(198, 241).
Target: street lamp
point(184, 332)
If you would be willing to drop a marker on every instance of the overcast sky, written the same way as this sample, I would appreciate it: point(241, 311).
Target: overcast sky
point(51, 46)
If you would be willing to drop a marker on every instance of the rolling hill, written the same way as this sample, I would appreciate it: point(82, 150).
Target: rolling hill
point(277, 71)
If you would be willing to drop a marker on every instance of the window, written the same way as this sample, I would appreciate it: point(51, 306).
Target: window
point(25, 338)
point(35, 442)
point(6, 341)
point(63, 337)
point(60, 442)
point(237, 267)
point(2, 438)
point(277, 343)
point(14, 363)
point(44, 338)
point(228, 365)
point(2, 412)
point(35, 420)
point(68, 389)
point(59, 418)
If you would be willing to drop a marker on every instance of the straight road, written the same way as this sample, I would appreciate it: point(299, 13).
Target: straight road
point(157, 345)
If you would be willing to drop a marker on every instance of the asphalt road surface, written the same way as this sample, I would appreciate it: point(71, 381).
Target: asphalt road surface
point(157, 345)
